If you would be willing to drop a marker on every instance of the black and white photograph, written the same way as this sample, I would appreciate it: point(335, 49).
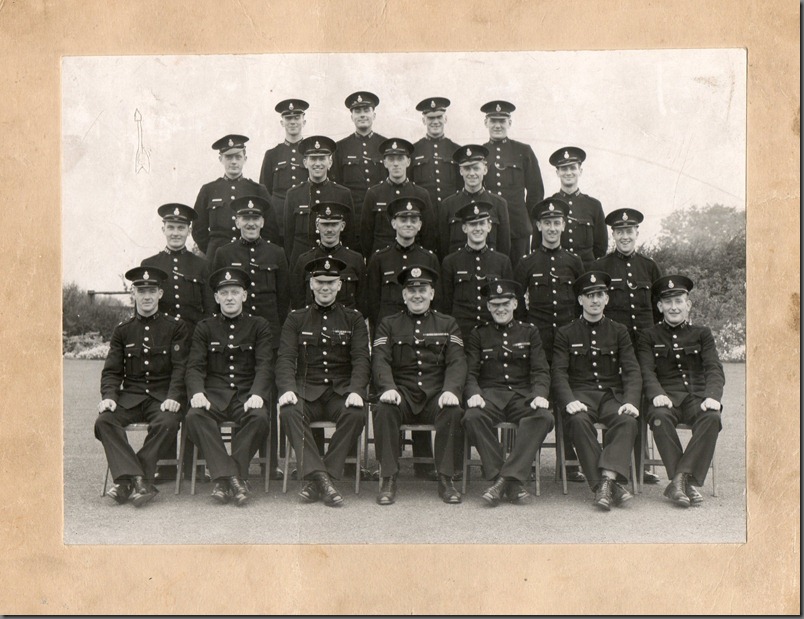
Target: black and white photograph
point(405, 298)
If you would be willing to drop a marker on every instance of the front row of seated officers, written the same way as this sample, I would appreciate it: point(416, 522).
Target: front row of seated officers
point(422, 371)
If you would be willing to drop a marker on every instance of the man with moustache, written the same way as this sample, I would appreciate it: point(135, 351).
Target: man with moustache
point(471, 160)
point(322, 372)
point(215, 225)
point(282, 164)
point(515, 174)
point(376, 231)
point(433, 167)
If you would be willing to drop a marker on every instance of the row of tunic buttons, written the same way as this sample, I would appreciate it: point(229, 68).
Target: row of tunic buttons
point(678, 356)
point(594, 363)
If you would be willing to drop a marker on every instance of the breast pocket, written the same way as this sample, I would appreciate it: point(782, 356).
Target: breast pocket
point(391, 290)
point(133, 360)
point(583, 232)
point(192, 290)
point(221, 216)
point(244, 357)
point(423, 170)
point(464, 287)
point(283, 175)
point(301, 220)
point(539, 289)
point(639, 291)
point(216, 359)
point(403, 352)
point(348, 290)
point(353, 173)
point(692, 357)
point(436, 348)
point(512, 173)
point(267, 275)
point(609, 360)
point(579, 359)
point(157, 358)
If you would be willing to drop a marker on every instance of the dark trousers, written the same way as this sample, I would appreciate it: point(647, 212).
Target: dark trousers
point(519, 249)
point(618, 444)
point(202, 427)
point(110, 431)
point(330, 406)
point(534, 426)
point(448, 433)
point(706, 426)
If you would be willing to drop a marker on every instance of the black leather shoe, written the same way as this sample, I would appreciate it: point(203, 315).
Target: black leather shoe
point(695, 497)
point(620, 495)
point(330, 496)
point(221, 492)
point(240, 494)
point(120, 492)
point(309, 493)
point(650, 478)
point(675, 493)
point(277, 474)
point(447, 490)
point(142, 492)
point(387, 494)
point(603, 494)
point(575, 475)
point(494, 494)
point(517, 493)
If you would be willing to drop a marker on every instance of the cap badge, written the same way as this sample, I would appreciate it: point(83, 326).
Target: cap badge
point(359, 99)
point(328, 211)
point(290, 105)
point(317, 145)
point(228, 275)
point(625, 216)
point(231, 143)
point(551, 207)
point(566, 154)
point(477, 210)
point(250, 204)
point(416, 272)
point(432, 104)
point(409, 206)
point(468, 152)
point(394, 145)
point(592, 279)
point(145, 275)
point(670, 284)
point(498, 107)
point(326, 265)
point(499, 289)
point(176, 211)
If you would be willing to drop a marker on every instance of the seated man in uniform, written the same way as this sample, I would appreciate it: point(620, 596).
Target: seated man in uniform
point(229, 373)
point(508, 380)
point(683, 380)
point(419, 370)
point(142, 381)
point(596, 379)
point(323, 372)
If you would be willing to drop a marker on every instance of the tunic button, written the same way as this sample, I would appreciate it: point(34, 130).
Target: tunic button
point(231, 326)
point(232, 385)
point(419, 383)
point(253, 308)
point(147, 391)
point(594, 332)
point(594, 353)
point(323, 328)
point(231, 375)
point(594, 364)
point(252, 250)
point(675, 336)
point(146, 362)
point(505, 365)
point(178, 306)
point(506, 377)
point(147, 328)
point(324, 353)
point(231, 367)
point(175, 277)
point(505, 341)
point(231, 336)
point(176, 287)
point(678, 356)
point(145, 339)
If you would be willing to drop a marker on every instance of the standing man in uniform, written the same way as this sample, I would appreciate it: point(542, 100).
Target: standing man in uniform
point(282, 164)
point(317, 188)
point(596, 378)
point(433, 166)
point(229, 373)
point(465, 272)
point(330, 222)
point(471, 160)
point(683, 381)
point(515, 175)
point(142, 381)
point(322, 372)
point(357, 163)
point(215, 225)
point(508, 380)
point(586, 230)
point(419, 369)
point(376, 231)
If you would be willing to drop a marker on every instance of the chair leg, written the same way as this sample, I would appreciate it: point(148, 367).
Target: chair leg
point(193, 474)
point(562, 461)
point(467, 452)
point(714, 474)
point(358, 460)
point(268, 448)
point(634, 474)
point(538, 472)
point(180, 463)
point(106, 482)
point(286, 472)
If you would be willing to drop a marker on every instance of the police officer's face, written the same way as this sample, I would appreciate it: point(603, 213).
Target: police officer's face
point(676, 309)
point(418, 297)
point(406, 226)
point(473, 174)
point(318, 166)
point(363, 118)
point(625, 238)
point(397, 166)
point(146, 299)
point(175, 234)
point(325, 289)
point(502, 310)
point(293, 124)
point(569, 175)
point(593, 304)
point(498, 127)
point(477, 231)
point(330, 231)
point(551, 229)
point(233, 163)
point(231, 299)
point(250, 226)
point(434, 123)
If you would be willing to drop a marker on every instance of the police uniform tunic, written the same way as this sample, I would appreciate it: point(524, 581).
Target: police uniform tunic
point(145, 366)
point(463, 274)
point(215, 225)
point(420, 356)
point(595, 364)
point(682, 363)
point(629, 295)
point(300, 226)
point(323, 357)
point(266, 265)
point(187, 294)
point(507, 367)
point(433, 169)
point(451, 236)
point(585, 234)
point(383, 292)
point(515, 175)
point(547, 276)
point(282, 168)
point(231, 359)
point(353, 277)
point(375, 228)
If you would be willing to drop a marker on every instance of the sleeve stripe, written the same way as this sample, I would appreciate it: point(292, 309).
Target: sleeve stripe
point(380, 341)
point(455, 339)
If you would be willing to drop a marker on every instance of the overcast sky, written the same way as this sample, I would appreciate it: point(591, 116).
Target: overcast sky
point(662, 129)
